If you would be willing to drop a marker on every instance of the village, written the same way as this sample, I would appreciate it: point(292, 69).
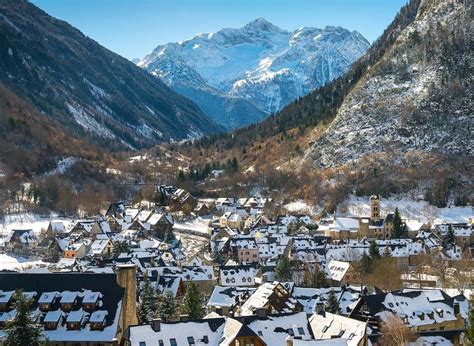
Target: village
point(241, 271)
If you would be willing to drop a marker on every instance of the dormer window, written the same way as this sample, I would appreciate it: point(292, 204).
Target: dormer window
point(74, 320)
point(46, 300)
point(90, 300)
point(52, 319)
point(67, 300)
point(5, 299)
point(97, 320)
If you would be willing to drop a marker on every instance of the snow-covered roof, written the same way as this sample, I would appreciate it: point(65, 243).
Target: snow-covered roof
point(345, 224)
point(275, 329)
point(47, 297)
point(194, 273)
point(338, 269)
point(53, 316)
point(98, 316)
point(243, 275)
point(332, 325)
point(416, 309)
point(68, 297)
point(98, 246)
point(226, 296)
point(208, 331)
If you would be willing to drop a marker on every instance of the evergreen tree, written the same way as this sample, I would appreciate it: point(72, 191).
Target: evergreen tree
point(365, 264)
point(450, 238)
point(332, 305)
point(216, 256)
point(168, 308)
point(193, 303)
point(22, 330)
point(398, 228)
point(181, 176)
point(162, 198)
point(314, 277)
point(120, 247)
point(283, 270)
point(374, 251)
point(386, 252)
point(169, 236)
point(148, 302)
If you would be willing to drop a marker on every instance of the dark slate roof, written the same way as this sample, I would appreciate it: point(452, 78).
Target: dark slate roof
point(389, 218)
point(106, 284)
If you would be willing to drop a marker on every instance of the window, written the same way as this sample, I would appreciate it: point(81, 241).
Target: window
point(301, 331)
point(190, 340)
point(142, 343)
point(260, 333)
point(205, 338)
point(161, 343)
point(173, 342)
point(290, 331)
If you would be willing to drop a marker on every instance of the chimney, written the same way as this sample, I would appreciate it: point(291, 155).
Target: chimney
point(127, 279)
point(289, 341)
point(156, 325)
point(261, 313)
point(456, 308)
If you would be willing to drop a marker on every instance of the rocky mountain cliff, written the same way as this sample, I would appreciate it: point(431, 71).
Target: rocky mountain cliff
point(416, 99)
point(237, 76)
point(92, 92)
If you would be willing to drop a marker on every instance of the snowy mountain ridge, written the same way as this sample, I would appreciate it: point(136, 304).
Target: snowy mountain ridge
point(415, 100)
point(258, 65)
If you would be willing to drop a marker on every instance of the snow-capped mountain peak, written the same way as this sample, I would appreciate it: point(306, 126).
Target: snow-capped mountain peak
point(259, 64)
point(261, 24)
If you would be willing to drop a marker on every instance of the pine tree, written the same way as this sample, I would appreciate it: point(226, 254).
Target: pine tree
point(168, 308)
point(169, 236)
point(332, 305)
point(374, 251)
point(22, 330)
point(216, 256)
point(193, 303)
point(398, 228)
point(148, 302)
point(314, 277)
point(450, 238)
point(283, 270)
point(386, 253)
point(120, 247)
point(365, 264)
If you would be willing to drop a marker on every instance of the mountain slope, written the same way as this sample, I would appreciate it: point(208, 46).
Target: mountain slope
point(88, 89)
point(416, 99)
point(259, 63)
point(26, 135)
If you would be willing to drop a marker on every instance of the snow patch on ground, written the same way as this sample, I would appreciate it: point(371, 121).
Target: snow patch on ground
point(298, 207)
point(88, 122)
point(24, 221)
point(13, 262)
point(197, 225)
point(62, 166)
point(409, 209)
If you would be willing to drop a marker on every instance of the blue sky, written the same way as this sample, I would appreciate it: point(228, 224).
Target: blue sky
point(132, 28)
